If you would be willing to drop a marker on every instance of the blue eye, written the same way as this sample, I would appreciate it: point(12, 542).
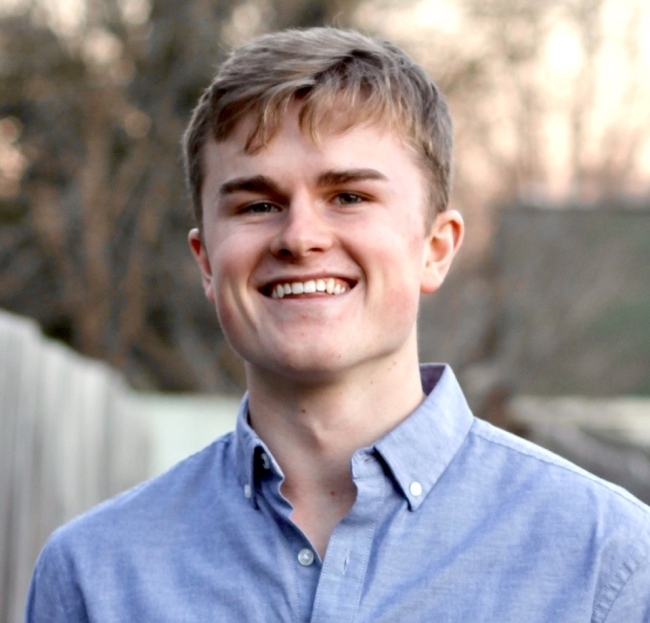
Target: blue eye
point(260, 208)
point(348, 198)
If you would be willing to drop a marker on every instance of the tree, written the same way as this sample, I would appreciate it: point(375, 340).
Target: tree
point(93, 237)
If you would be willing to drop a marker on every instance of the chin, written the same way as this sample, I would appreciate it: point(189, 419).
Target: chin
point(304, 367)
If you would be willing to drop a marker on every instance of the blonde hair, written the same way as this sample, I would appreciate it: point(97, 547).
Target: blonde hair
point(323, 70)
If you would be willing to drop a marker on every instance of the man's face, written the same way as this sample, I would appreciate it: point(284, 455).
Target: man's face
point(315, 255)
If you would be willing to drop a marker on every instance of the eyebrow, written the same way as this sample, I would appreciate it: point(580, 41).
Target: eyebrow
point(263, 185)
point(335, 178)
point(256, 184)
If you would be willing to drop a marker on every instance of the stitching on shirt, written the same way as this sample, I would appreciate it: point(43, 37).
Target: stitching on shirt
point(606, 602)
point(611, 592)
point(369, 541)
point(317, 596)
point(360, 581)
point(546, 456)
point(296, 584)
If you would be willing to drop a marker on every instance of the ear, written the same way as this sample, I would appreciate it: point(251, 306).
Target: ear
point(443, 241)
point(197, 246)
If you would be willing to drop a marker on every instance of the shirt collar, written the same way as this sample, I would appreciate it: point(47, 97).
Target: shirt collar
point(419, 449)
point(416, 452)
point(248, 453)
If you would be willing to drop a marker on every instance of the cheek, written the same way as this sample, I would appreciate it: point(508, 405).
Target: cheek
point(399, 259)
point(234, 321)
point(230, 275)
point(235, 254)
point(226, 265)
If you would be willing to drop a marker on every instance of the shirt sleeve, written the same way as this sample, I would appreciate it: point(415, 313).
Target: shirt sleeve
point(52, 597)
point(632, 603)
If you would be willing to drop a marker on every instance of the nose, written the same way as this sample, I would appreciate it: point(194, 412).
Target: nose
point(303, 231)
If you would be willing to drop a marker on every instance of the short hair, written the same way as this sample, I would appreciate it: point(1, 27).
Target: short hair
point(323, 70)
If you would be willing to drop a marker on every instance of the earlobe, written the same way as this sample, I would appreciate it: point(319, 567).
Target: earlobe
point(199, 252)
point(443, 242)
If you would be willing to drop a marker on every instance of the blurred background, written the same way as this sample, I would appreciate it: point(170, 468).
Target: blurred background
point(112, 364)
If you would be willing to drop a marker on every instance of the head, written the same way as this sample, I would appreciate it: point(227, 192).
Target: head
point(315, 155)
point(324, 71)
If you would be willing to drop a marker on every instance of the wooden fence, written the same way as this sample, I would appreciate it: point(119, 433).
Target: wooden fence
point(70, 436)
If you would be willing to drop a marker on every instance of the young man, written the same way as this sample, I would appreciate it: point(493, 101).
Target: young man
point(357, 485)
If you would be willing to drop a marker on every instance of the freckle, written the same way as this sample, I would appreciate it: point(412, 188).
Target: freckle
point(332, 493)
point(303, 410)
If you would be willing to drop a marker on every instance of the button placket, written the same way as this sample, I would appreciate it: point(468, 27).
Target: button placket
point(344, 568)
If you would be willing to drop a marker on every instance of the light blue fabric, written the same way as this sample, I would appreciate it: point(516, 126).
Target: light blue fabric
point(501, 532)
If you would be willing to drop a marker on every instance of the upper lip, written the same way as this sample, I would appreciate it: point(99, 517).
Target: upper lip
point(267, 285)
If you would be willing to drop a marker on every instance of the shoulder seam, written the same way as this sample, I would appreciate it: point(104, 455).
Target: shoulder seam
point(611, 593)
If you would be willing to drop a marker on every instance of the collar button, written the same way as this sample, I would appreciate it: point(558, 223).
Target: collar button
point(415, 488)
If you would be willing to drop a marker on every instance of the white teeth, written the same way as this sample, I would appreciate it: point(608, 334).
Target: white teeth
point(330, 285)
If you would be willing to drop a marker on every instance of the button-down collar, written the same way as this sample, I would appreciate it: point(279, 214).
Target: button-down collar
point(417, 451)
point(249, 450)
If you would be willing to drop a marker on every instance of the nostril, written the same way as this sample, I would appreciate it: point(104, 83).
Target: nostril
point(302, 234)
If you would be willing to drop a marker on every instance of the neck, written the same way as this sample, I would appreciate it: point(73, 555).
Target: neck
point(313, 429)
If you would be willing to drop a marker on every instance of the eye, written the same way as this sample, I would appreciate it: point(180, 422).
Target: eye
point(261, 207)
point(348, 199)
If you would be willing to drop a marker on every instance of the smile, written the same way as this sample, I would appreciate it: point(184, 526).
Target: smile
point(328, 285)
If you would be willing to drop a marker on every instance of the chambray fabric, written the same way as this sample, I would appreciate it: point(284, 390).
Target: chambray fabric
point(497, 530)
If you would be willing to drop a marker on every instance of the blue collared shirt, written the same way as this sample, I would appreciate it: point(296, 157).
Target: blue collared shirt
point(454, 521)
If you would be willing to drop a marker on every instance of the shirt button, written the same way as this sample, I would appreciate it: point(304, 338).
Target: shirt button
point(415, 488)
point(248, 491)
point(305, 557)
point(266, 462)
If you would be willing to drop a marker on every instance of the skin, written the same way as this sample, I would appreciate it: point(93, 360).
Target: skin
point(326, 374)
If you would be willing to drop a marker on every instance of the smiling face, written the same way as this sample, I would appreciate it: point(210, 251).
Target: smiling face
point(315, 255)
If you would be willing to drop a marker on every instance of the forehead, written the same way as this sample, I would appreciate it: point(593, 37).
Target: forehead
point(332, 138)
